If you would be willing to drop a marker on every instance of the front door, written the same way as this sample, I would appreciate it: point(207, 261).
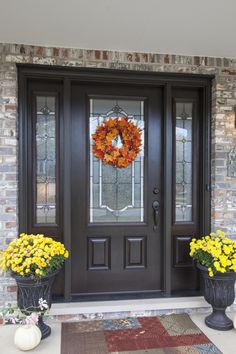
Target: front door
point(116, 206)
point(116, 165)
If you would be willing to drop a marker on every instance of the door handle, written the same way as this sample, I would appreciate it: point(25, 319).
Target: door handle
point(155, 207)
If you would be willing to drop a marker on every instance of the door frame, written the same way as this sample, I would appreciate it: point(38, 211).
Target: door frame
point(64, 76)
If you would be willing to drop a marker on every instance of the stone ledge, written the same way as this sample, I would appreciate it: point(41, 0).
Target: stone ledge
point(125, 308)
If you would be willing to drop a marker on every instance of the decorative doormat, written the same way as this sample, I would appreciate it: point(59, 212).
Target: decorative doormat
point(170, 334)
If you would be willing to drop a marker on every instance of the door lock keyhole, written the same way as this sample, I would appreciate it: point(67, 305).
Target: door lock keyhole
point(156, 190)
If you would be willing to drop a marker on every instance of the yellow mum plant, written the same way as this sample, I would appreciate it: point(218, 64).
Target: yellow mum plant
point(215, 251)
point(33, 256)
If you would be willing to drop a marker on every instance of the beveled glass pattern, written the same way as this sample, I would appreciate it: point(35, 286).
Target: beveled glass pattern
point(183, 200)
point(45, 160)
point(116, 194)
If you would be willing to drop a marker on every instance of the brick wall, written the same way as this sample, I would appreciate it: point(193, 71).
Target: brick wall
point(223, 131)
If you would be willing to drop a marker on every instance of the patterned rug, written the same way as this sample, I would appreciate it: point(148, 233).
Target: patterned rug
point(172, 334)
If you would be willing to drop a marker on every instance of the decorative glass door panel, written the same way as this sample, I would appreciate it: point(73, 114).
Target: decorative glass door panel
point(116, 194)
point(184, 161)
point(45, 141)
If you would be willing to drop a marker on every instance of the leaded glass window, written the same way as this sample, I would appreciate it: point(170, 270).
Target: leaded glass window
point(45, 160)
point(116, 194)
point(184, 124)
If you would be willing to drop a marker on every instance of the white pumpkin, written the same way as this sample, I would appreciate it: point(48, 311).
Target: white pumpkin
point(234, 321)
point(27, 337)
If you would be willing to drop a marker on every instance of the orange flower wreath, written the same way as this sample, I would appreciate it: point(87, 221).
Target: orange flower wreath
point(110, 130)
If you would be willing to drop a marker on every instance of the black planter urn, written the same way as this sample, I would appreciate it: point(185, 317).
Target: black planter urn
point(29, 291)
point(219, 293)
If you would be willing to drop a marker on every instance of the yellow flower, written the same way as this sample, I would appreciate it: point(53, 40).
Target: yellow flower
point(35, 250)
point(216, 250)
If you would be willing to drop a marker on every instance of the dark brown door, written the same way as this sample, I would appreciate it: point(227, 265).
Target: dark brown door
point(116, 212)
point(127, 229)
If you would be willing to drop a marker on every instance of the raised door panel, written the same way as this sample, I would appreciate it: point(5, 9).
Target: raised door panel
point(99, 253)
point(135, 252)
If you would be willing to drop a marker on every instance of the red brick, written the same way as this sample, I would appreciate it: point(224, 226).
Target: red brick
point(10, 107)
point(129, 57)
point(10, 209)
point(10, 225)
point(64, 317)
point(65, 53)
point(229, 71)
point(56, 52)
point(167, 59)
point(145, 57)
point(97, 54)
point(137, 57)
point(39, 51)
point(11, 288)
point(105, 55)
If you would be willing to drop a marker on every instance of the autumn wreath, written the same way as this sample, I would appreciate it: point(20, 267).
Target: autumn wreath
point(105, 136)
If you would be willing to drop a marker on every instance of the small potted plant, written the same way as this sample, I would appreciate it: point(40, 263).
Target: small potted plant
point(27, 335)
point(34, 261)
point(215, 255)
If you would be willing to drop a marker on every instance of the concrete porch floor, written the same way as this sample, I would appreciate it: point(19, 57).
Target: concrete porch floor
point(196, 307)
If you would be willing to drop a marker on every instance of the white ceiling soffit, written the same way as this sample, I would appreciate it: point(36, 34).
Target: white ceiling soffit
point(188, 27)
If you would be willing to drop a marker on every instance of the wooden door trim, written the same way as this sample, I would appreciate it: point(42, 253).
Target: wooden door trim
point(67, 186)
point(33, 71)
point(167, 181)
point(65, 76)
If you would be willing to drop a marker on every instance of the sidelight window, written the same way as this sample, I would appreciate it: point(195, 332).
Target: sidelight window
point(45, 159)
point(183, 148)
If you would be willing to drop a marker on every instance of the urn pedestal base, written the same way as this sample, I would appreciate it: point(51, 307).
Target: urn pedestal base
point(44, 328)
point(219, 293)
point(218, 320)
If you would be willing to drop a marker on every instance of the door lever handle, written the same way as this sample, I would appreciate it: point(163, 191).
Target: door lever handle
point(155, 207)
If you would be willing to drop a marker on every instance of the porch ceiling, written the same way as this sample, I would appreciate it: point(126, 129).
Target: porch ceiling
point(165, 26)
